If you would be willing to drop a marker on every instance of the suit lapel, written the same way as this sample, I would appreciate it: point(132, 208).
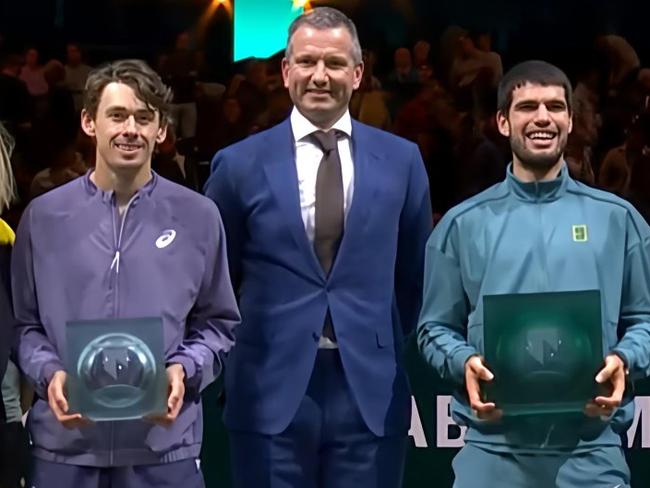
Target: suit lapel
point(362, 155)
point(281, 174)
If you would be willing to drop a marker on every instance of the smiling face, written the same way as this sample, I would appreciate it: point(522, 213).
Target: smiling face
point(538, 124)
point(321, 73)
point(125, 130)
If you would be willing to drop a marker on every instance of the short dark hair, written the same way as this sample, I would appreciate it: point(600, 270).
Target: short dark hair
point(135, 73)
point(326, 18)
point(534, 72)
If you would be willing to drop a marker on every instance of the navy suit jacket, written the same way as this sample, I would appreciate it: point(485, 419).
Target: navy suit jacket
point(373, 291)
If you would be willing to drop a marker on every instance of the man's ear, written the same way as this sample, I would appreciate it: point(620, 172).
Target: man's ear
point(358, 75)
point(503, 124)
point(285, 72)
point(87, 123)
point(162, 134)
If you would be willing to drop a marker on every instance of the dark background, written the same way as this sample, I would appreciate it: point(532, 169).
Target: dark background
point(560, 31)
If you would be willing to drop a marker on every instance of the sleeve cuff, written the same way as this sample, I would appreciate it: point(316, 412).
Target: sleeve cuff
point(48, 372)
point(188, 365)
point(458, 363)
point(192, 376)
point(624, 357)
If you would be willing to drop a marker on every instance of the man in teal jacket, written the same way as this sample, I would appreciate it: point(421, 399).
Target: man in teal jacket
point(519, 236)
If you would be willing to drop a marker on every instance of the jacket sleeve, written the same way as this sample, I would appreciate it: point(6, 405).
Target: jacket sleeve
point(441, 332)
point(220, 188)
point(634, 320)
point(415, 226)
point(35, 354)
point(211, 323)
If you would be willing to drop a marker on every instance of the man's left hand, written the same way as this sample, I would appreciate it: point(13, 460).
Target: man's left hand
point(613, 374)
point(175, 379)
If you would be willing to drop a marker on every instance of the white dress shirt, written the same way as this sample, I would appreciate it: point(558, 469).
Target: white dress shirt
point(308, 157)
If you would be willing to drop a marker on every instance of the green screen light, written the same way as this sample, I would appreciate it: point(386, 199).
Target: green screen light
point(261, 26)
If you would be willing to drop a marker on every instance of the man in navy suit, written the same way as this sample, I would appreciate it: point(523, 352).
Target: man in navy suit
point(327, 220)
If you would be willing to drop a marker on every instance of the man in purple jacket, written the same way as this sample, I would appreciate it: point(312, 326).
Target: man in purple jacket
point(122, 242)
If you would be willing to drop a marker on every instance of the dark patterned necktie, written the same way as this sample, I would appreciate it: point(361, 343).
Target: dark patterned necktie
point(328, 220)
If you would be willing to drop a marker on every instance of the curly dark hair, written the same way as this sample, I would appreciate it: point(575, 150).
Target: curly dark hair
point(135, 73)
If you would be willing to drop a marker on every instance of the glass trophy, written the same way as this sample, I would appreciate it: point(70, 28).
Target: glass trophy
point(116, 368)
point(544, 349)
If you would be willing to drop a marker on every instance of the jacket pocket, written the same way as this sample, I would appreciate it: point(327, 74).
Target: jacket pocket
point(181, 432)
point(48, 433)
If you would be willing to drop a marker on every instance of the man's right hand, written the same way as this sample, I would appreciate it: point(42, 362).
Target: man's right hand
point(475, 372)
point(59, 405)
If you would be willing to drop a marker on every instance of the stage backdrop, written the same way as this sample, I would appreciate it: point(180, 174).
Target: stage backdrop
point(434, 440)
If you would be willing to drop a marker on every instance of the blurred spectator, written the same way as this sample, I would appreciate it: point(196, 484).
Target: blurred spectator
point(14, 445)
point(449, 46)
point(429, 120)
point(480, 163)
point(421, 53)
point(252, 91)
point(180, 70)
point(403, 73)
point(15, 102)
point(66, 165)
point(76, 73)
point(222, 127)
point(32, 74)
point(582, 141)
point(473, 70)
point(622, 90)
point(578, 158)
point(53, 136)
point(619, 56)
point(626, 169)
point(614, 174)
point(167, 162)
point(416, 117)
point(402, 82)
point(278, 108)
point(369, 81)
point(368, 103)
point(425, 73)
point(586, 117)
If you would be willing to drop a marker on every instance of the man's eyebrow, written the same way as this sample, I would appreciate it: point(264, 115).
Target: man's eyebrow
point(120, 108)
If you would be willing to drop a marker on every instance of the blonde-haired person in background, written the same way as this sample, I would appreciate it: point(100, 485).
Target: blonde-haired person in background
point(7, 183)
point(13, 439)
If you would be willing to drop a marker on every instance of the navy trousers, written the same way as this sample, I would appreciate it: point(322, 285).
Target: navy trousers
point(604, 467)
point(327, 444)
point(47, 474)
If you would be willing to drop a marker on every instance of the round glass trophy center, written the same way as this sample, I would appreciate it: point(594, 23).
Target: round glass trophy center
point(117, 369)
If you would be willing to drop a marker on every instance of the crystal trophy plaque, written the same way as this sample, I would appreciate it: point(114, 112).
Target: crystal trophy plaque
point(544, 349)
point(116, 368)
